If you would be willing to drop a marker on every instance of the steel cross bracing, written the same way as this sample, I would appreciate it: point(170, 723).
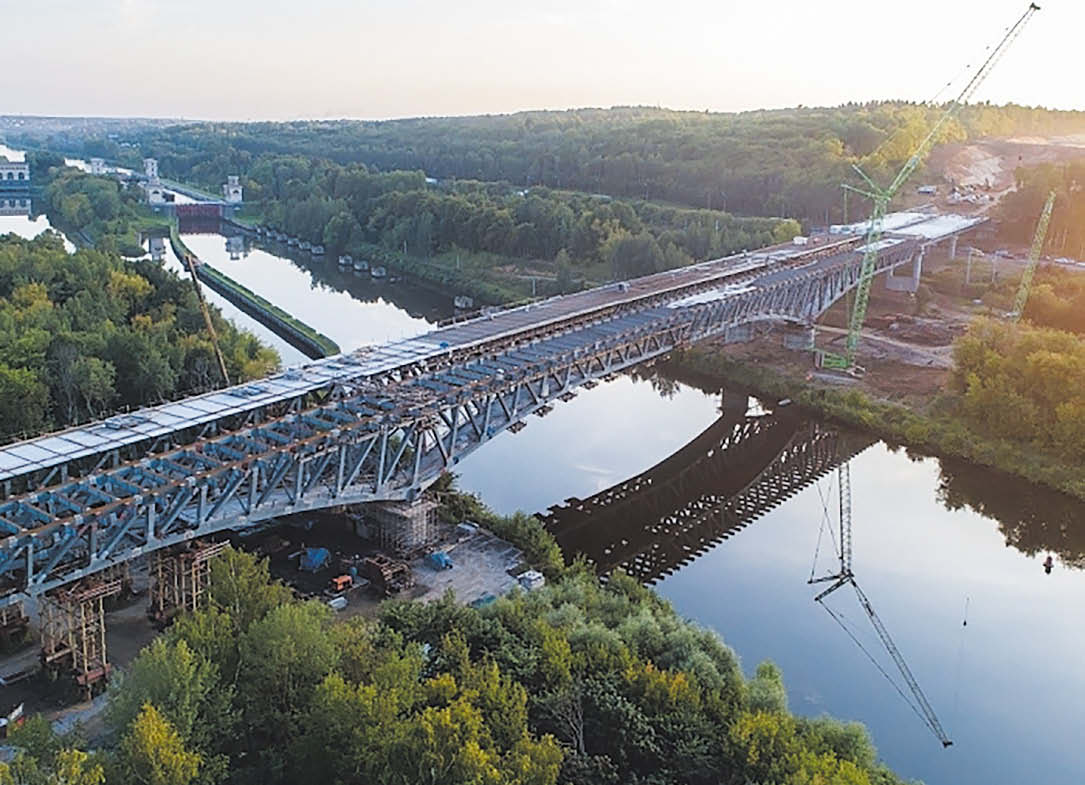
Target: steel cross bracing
point(369, 439)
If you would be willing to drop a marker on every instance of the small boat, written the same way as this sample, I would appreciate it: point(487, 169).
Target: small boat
point(378, 272)
point(345, 260)
point(318, 250)
point(292, 242)
point(361, 266)
point(305, 245)
point(463, 302)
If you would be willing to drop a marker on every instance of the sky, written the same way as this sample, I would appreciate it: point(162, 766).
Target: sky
point(374, 59)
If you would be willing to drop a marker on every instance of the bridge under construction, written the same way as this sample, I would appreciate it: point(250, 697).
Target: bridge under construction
point(382, 423)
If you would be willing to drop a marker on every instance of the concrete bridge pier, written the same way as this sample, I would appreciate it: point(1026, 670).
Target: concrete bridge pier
point(742, 333)
point(904, 283)
point(799, 337)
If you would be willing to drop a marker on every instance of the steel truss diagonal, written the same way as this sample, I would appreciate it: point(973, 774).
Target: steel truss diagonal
point(374, 429)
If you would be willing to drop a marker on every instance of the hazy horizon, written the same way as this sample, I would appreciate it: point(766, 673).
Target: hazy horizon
point(526, 110)
point(332, 59)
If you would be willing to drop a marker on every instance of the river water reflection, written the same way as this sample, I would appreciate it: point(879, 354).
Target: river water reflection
point(352, 310)
point(1008, 686)
point(16, 209)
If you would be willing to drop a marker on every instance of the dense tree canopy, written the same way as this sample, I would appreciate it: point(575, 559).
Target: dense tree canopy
point(1020, 209)
point(85, 333)
point(97, 207)
point(1024, 384)
point(787, 162)
point(577, 683)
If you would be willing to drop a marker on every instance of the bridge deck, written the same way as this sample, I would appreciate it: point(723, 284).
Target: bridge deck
point(773, 264)
point(153, 422)
point(379, 424)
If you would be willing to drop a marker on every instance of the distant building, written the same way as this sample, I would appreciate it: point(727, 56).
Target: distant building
point(150, 168)
point(232, 190)
point(14, 175)
point(15, 206)
point(97, 166)
point(156, 194)
point(235, 246)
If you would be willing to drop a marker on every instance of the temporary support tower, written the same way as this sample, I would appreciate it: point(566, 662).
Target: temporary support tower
point(179, 579)
point(881, 198)
point(73, 638)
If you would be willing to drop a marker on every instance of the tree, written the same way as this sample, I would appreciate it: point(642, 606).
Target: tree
point(23, 401)
point(767, 691)
point(186, 690)
point(241, 587)
point(153, 752)
point(286, 655)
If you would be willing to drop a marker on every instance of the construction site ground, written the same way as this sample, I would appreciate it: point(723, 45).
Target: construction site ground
point(985, 168)
point(907, 356)
point(482, 564)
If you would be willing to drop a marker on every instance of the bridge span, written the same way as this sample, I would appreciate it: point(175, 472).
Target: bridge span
point(381, 423)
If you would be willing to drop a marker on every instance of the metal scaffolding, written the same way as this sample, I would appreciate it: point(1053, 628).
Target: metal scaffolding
point(73, 640)
point(404, 528)
point(13, 622)
point(179, 579)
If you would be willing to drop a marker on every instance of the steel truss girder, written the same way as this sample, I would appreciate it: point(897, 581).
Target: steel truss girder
point(382, 441)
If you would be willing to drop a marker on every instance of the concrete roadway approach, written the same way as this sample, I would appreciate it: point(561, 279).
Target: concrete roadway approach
point(382, 423)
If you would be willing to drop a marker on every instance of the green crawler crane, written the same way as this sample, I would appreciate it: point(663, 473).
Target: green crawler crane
point(881, 198)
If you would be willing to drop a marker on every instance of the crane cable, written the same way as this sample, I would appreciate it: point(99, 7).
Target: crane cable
point(960, 663)
point(821, 531)
point(878, 665)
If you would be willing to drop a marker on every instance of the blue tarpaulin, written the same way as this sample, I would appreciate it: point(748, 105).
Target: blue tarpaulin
point(439, 560)
point(314, 559)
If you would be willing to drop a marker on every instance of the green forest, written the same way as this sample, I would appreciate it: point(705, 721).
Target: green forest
point(1020, 208)
point(93, 210)
point(1023, 383)
point(787, 162)
point(345, 207)
point(86, 333)
point(576, 683)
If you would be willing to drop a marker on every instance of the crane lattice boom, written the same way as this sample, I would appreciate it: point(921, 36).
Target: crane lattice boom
point(881, 197)
point(1033, 255)
point(846, 576)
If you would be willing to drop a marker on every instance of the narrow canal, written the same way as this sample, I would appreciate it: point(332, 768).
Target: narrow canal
point(350, 308)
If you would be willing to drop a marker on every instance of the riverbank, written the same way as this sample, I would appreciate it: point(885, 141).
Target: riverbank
point(933, 430)
point(313, 343)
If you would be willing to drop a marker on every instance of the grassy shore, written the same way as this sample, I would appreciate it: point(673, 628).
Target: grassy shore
point(936, 431)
